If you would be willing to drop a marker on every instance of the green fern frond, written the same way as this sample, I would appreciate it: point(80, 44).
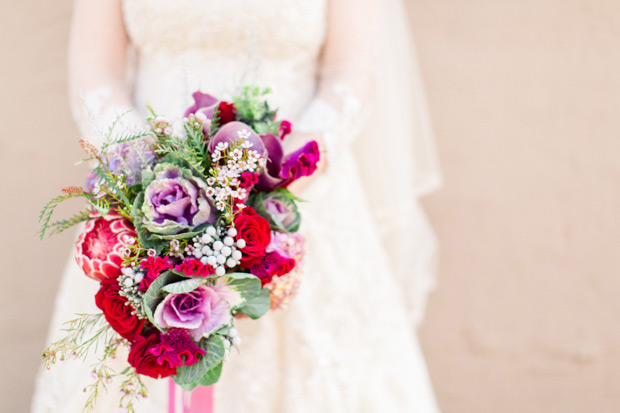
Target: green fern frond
point(60, 226)
point(48, 210)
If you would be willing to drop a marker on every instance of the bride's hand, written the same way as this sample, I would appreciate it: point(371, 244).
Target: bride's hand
point(296, 140)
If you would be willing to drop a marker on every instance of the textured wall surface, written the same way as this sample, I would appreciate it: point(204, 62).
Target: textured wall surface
point(524, 96)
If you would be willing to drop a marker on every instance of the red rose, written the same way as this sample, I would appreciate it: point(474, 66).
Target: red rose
point(116, 310)
point(226, 112)
point(254, 230)
point(144, 361)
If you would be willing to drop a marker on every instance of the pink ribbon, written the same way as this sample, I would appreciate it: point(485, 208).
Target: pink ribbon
point(200, 400)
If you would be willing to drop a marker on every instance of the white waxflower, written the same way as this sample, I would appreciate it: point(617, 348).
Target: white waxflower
point(243, 134)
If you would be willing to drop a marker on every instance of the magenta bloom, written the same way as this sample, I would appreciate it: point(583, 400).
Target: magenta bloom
point(177, 349)
point(273, 264)
point(282, 170)
point(201, 311)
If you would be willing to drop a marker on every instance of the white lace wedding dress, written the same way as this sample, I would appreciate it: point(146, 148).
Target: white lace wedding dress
point(348, 342)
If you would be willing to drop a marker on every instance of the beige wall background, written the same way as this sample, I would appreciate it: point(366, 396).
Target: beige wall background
point(525, 98)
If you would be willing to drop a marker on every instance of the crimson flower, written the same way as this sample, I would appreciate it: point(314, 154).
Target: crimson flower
point(176, 349)
point(273, 264)
point(144, 361)
point(116, 310)
point(154, 266)
point(194, 268)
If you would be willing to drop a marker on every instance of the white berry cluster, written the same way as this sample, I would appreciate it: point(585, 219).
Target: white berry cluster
point(231, 339)
point(217, 248)
point(129, 281)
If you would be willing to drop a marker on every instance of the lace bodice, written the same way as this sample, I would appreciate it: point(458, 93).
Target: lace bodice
point(218, 46)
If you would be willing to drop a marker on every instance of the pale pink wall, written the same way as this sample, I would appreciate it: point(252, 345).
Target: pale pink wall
point(524, 97)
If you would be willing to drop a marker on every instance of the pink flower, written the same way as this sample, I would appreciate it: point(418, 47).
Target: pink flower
point(284, 129)
point(273, 264)
point(154, 266)
point(176, 349)
point(201, 311)
point(194, 268)
point(99, 247)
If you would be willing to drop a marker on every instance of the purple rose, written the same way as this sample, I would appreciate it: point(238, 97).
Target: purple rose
point(283, 170)
point(175, 201)
point(201, 311)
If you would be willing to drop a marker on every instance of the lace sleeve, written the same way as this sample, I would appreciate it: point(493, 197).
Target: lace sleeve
point(345, 74)
point(371, 101)
point(98, 90)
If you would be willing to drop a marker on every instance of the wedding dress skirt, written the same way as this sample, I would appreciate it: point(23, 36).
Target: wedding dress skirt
point(347, 342)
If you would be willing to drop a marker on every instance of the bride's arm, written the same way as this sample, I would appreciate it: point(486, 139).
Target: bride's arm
point(97, 66)
point(345, 80)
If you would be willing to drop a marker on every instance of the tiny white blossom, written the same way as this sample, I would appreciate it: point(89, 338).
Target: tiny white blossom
point(236, 154)
point(243, 134)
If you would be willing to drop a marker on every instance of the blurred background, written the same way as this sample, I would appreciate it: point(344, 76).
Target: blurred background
point(525, 98)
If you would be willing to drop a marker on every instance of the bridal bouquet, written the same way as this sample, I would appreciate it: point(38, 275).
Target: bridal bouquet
point(189, 226)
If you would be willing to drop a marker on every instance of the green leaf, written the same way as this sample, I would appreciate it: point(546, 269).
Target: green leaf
point(138, 221)
point(185, 235)
point(247, 285)
point(154, 295)
point(211, 376)
point(184, 286)
point(147, 177)
point(189, 377)
point(257, 306)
